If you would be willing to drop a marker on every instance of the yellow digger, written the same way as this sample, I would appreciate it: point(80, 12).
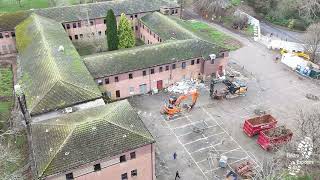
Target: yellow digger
point(231, 90)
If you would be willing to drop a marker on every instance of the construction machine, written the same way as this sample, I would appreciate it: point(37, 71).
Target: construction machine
point(173, 106)
point(232, 89)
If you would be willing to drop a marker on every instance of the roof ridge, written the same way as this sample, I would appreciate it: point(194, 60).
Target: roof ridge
point(64, 81)
point(61, 146)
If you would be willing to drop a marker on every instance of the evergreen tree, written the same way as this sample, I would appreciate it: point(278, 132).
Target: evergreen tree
point(125, 33)
point(112, 37)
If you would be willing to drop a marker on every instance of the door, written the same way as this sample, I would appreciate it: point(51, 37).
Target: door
point(159, 84)
point(143, 88)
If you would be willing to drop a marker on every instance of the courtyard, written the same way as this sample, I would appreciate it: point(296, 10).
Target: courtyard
point(214, 128)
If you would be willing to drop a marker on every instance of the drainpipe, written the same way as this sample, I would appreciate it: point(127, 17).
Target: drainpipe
point(152, 161)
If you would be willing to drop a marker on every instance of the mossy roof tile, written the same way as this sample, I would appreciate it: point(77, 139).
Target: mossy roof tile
point(51, 79)
point(72, 140)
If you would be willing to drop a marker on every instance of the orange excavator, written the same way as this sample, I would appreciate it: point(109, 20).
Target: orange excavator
point(173, 106)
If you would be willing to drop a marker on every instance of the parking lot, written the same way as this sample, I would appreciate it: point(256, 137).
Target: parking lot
point(214, 127)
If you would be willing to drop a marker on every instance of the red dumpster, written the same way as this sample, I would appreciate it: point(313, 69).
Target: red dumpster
point(271, 138)
point(254, 125)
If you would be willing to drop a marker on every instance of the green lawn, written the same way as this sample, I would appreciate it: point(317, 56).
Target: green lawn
point(236, 2)
point(13, 5)
point(206, 32)
point(6, 84)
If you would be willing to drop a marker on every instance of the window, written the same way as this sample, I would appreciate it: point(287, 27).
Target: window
point(81, 35)
point(136, 28)
point(142, 26)
point(124, 176)
point(167, 68)
point(144, 73)
point(134, 173)
point(130, 76)
point(176, 11)
point(131, 16)
point(152, 71)
point(1, 35)
point(136, 15)
point(69, 176)
point(13, 34)
point(116, 79)
point(107, 81)
point(192, 62)
point(99, 81)
point(79, 24)
point(183, 65)
point(123, 157)
point(160, 69)
point(158, 38)
point(154, 35)
point(76, 36)
point(172, 11)
point(99, 33)
point(198, 61)
point(118, 95)
point(173, 66)
point(105, 32)
point(74, 25)
point(7, 35)
point(132, 155)
point(97, 167)
point(68, 26)
point(104, 21)
point(148, 41)
point(70, 37)
point(91, 23)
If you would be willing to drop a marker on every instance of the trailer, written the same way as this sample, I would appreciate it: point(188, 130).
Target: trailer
point(254, 125)
point(274, 137)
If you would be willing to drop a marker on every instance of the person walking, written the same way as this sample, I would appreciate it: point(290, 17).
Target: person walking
point(175, 155)
point(177, 175)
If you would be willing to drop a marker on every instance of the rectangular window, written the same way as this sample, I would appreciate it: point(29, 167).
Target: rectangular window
point(144, 73)
point(154, 35)
point(97, 167)
point(192, 62)
point(76, 36)
point(68, 26)
point(99, 33)
point(142, 26)
point(124, 176)
point(130, 76)
point(136, 15)
point(81, 35)
point(104, 21)
point(69, 176)
point(198, 61)
point(148, 41)
point(173, 66)
point(132, 155)
point(167, 68)
point(136, 28)
point(183, 65)
point(152, 71)
point(91, 23)
point(107, 81)
point(160, 69)
point(116, 79)
point(79, 24)
point(131, 17)
point(123, 158)
point(158, 39)
point(118, 95)
point(134, 173)
point(70, 37)
point(176, 11)
point(13, 34)
point(105, 32)
point(74, 25)
point(1, 35)
point(99, 81)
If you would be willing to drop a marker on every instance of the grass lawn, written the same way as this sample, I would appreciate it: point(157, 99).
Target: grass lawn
point(236, 2)
point(13, 5)
point(6, 84)
point(206, 32)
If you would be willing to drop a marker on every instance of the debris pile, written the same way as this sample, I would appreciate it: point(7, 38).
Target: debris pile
point(277, 132)
point(184, 86)
point(259, 112)
point(312, 97)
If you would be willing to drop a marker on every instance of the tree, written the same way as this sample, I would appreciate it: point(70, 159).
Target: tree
point(112, 37)
point(309, 9)
point(312, 41)
point(125, 33)
point(211, 8)
point(240, 22)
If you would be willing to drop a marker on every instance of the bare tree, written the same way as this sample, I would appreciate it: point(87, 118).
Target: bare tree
point(312, 41)
point(240, 22)
point(210, 8)
point(309, 9)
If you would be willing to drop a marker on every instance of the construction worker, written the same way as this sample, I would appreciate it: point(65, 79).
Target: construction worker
point(177, 175)
point(175, 155)
point(231, 176)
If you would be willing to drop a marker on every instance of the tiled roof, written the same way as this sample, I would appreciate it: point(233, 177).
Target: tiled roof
point(121, 61)
point(75, 139)
point(10, 20)
point(99, 9)
point(166, 27)
point(51, 79)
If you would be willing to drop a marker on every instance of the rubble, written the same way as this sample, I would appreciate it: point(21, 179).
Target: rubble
point(184, 86)
point(312, 97)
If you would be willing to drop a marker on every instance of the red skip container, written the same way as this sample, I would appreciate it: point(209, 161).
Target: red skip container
point(254, 125)
point(274, 137)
